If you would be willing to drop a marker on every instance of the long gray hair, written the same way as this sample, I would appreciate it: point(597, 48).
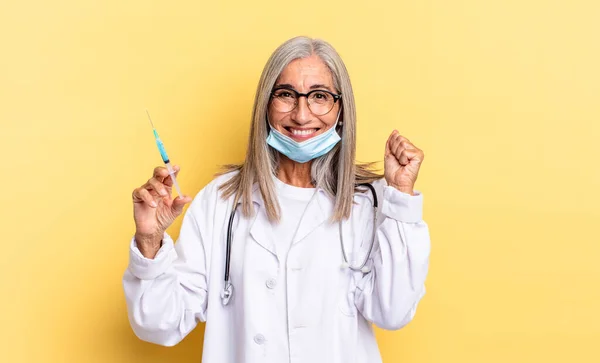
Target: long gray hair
point(335, 172)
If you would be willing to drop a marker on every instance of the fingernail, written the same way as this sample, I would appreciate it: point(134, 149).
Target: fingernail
point(153, 204)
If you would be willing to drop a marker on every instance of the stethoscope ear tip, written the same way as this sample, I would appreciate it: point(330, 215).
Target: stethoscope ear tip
point(365, 269)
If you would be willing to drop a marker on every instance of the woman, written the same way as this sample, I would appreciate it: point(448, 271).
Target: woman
point(309, 271)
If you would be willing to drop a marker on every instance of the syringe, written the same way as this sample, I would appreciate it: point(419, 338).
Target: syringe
point(163, 154)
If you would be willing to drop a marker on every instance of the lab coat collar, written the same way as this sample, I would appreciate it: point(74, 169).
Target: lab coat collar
point(318, 211)
point(261, 227)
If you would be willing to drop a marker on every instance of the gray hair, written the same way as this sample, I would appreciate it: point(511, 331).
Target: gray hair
point(335, 172)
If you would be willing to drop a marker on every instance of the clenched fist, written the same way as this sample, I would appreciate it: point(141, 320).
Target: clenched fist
point(401, 163)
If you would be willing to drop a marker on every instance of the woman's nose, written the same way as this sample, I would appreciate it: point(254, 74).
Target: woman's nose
point(302, 113)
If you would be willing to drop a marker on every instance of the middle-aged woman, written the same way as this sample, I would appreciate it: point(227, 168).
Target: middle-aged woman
point(285, 257)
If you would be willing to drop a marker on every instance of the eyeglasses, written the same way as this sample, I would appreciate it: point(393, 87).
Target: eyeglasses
point(320, 102)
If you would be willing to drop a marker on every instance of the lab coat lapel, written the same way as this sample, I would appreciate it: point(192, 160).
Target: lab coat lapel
point(317, 212)
point(261, 229)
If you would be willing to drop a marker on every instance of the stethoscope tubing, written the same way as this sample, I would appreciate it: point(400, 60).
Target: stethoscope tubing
point(362, 265)
point(228, 288)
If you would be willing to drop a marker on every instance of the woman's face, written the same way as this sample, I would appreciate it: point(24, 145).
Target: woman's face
point(304, 75)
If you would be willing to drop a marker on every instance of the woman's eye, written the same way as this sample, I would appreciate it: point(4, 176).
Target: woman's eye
point(321, 96)
point(284, 94)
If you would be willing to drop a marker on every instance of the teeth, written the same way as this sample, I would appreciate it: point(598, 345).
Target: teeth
point(303, 132)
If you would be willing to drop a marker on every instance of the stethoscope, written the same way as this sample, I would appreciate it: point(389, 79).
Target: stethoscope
point(227, 292)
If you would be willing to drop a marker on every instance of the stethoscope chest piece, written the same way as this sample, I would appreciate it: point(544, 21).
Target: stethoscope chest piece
point(227, 293)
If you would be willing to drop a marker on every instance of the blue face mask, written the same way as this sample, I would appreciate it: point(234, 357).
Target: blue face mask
point(306, 150)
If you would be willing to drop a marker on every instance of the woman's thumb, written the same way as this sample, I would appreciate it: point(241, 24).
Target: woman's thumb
point(178, 204)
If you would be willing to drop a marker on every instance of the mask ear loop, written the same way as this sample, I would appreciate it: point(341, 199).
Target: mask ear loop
point(339, 122)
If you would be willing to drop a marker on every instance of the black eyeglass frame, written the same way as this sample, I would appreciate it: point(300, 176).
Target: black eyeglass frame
point(336, 97)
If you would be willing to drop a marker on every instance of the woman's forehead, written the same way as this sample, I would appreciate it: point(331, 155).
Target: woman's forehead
point(304, 73)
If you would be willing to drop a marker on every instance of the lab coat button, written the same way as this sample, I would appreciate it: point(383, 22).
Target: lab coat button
point(271, 283)
point(259, 339)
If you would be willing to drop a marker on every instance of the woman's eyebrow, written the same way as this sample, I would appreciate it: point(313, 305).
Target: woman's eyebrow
point(314, 86)
point(317, 86)
point(284, 85)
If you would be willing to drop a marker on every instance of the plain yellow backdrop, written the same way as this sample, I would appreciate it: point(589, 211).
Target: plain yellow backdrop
point(503, 97)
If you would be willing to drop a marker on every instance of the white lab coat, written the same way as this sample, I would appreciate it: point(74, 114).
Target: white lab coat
point(329, 311)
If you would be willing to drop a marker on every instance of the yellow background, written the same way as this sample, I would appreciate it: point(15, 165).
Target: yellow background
point(503, 97)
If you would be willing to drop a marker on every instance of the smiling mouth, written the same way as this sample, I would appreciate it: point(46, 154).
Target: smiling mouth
point(301, 133)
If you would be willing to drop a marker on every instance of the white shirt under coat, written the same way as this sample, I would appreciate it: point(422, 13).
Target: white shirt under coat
point(292, 301)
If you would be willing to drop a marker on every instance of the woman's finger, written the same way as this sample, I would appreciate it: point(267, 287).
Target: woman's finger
point(404, 158)
point(135, 196)
point(410, 154)
point(142, 195)
point(398, 149)
point(178, 204)
point(396, 142)
point(406, 144)
point(160, 173)
point(168, 180)
point(388, 143)
point(159, 187)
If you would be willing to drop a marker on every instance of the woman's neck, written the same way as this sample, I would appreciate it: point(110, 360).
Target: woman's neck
point(294, 173)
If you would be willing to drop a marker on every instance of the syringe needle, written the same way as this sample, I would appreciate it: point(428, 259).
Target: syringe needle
point(150, 118)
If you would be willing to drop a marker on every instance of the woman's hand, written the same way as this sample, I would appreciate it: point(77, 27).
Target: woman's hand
point(154, 211)
point(401, 163)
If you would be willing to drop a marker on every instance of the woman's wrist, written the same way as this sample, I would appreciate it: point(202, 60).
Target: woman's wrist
point(403, 189)
point(148, 244)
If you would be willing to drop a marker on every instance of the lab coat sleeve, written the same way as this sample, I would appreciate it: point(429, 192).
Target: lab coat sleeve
point(167, 296)
point(389, 293)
